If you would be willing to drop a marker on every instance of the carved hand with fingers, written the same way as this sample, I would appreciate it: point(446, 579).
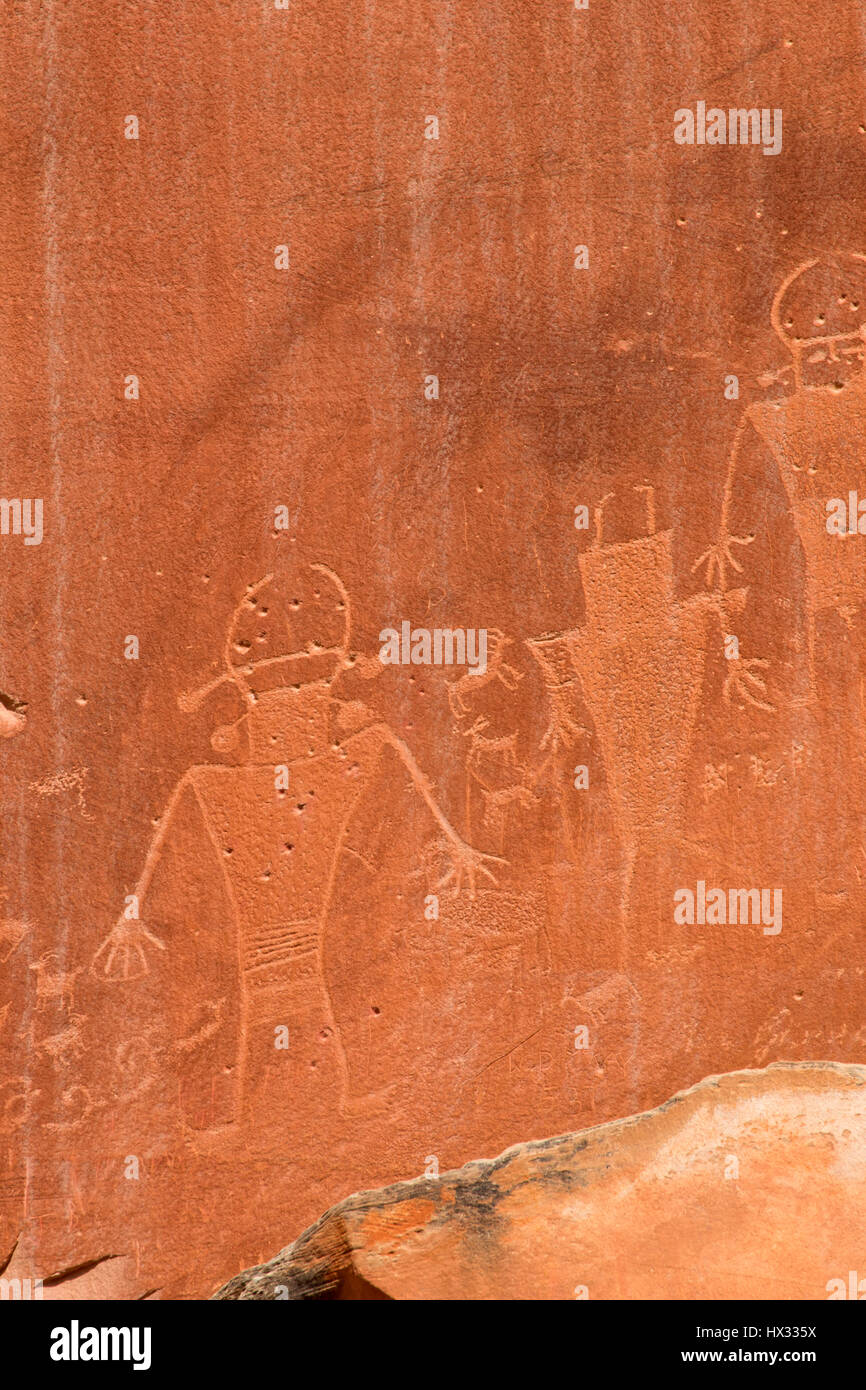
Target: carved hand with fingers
point(743, 686)
point(562, 729)
point(719, 556)
point(464, 862)
point(124, 948)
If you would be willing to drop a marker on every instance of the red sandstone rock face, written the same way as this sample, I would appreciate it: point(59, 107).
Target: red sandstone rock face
point(747, 1186)
point(283, 370)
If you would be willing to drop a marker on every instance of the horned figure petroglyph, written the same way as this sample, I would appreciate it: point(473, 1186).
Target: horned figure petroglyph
point(636, 665)
point(273, 846)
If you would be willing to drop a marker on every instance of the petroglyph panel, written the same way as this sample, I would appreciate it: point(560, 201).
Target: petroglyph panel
point(327, 337)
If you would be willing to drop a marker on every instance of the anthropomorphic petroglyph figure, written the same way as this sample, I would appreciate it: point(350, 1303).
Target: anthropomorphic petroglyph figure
point(265, 841)
point(636, 667)
point(807, 586)
point(813, 441)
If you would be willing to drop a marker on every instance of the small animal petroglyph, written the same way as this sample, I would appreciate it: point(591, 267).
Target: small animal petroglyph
point(616, 992)
point(496, 669)
point(16, 1100)
point(12, 933)
point(492, 765)
point(67, 1043)
point(53, 985)
point(73, 780)
point(76, 1106)
point(214, 1012)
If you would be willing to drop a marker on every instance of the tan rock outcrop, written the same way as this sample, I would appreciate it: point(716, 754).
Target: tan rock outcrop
point(747, 1186)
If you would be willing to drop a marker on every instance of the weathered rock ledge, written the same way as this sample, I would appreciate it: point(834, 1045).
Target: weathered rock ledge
point(748, 1185)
